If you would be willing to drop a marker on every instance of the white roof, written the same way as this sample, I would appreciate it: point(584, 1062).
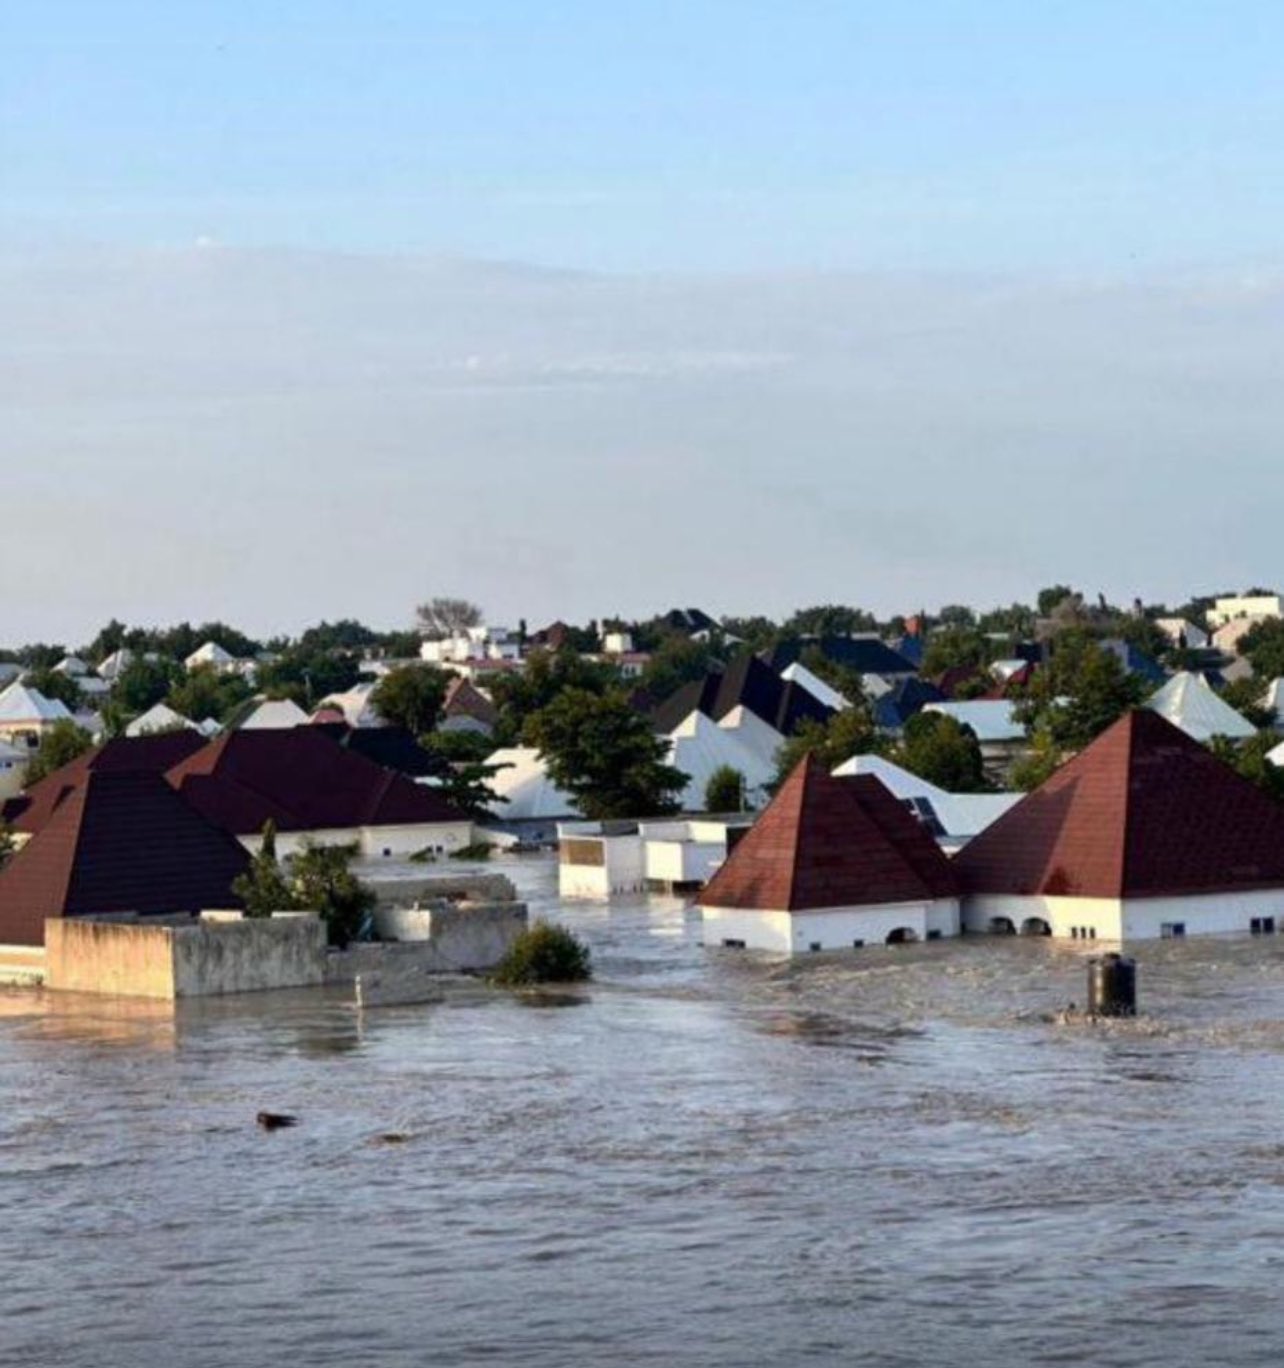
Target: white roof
point(526, 785)
point(355, 704)
point(211, 653)
point(20, 703)
point(698, 747)
point(961, 814)
point(798, 673)
point(273, 714)
point(208, 727)
point(757, 736)
point(1005, 669)
point(1274, 698)
point(990, 718)
point(71, 665)
point(160, 717)
point(115, 663)
point(1188, 702)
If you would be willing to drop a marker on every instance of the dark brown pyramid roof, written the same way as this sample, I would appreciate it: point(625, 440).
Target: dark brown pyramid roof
point(827, 842)
point(118, 842)
point(303, 780)
point(30, 811)
point(1144, 812)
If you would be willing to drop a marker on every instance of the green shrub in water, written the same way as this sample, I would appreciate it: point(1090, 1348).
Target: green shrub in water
point(544, 954)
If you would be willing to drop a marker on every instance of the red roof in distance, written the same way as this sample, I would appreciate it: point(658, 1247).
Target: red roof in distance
point(1143, 812)
point(826, 842)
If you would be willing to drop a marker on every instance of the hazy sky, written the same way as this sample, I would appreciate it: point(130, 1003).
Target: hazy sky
point(317, 308)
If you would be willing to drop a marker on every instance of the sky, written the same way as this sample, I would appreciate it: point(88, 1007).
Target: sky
point(314, 309)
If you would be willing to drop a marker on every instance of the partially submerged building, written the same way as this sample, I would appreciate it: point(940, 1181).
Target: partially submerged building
point(832, 864)
point(668, 854)
point(1144, 834)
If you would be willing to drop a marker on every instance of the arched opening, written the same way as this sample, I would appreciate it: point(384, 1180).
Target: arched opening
point(902, 935)
point(1002, 926)
point(1035, 926)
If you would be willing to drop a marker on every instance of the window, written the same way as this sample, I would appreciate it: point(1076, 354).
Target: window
point(1262, 926)
point(1172, 930)
point(386, 852)
point(815, 945)
point(733, 945)
point(858, 945)
point(934, 935)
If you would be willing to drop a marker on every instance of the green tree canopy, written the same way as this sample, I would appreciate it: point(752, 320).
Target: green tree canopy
point(59, 746)
point(56, 685)
point(521, 694)
point(725, 791)
point(605, 755)
point(1248, 758)
point(955, 647)
point(1263, 647)
point(830, 619)
point(847, 733)
point(412, 696)
point(144, 683)
point(207, 692)
point(943, 751)
point(1080, 692)
point(676, 661)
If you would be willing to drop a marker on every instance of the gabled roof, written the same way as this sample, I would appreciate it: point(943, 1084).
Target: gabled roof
point(1143, 812)
point(465, 699)
point(690, 620)
point(120, 843)
point(302, 780)
point(394, 748)
point(265, 714)
point(1189, 703)
point(991, 719)
point(153, 754)
point(825, 842)
point(21, 703)
point(747, 682)
point(865, 654)
point(959, 815)
point(798, 673)
point(699, 747)
point(159, 717)
point(905, 698)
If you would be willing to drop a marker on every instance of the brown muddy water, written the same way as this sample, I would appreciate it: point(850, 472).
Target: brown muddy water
point(889, 1159)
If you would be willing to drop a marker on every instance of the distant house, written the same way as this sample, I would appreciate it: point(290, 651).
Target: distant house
point(213, 655)
point(393, 748)
point(833, 864)
point(903, 700)
point(1184, 635)
point(118, 843)
point(598, 859)
point(72, 666)
point(1134, 660)
point(314, 789)
point(467, 709)
point(1144, 834)
point(798, 673)
point(1244, 606)
point(267, 714)
point(160, 717)
point(1188, 702)
point(532, 797)
point(952, 818)
point(691, 622)
point(994, 723)
point(112, 666)
point(13, 768)
point(699, 748)
point(866, 655)
point(1227, 637)
point(472, 646)
point(747, 683)
point(355, 705)
point(26, 714)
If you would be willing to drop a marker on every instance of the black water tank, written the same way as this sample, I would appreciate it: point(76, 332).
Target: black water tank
point(1112, 986)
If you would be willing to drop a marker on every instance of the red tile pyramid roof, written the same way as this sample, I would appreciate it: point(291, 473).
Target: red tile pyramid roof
point(303, 780)
point(826, 842)
point(118, 842)
point(1143, 812)
point(30, 812)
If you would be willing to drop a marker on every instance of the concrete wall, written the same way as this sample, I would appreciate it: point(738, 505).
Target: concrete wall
point(832, 929)
point(619, 865)
point(143, 959)
point(683, 862)
point(435, 940)
point(1207, 915)
point(434, 887)
point(382, 842)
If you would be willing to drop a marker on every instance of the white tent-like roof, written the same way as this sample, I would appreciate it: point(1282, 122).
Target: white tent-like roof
point(211, 653)
point(1188, 702)
point(698, 747)
point(355, 705)
point(960, 815)
point(798, 673)
point(525, 783)
point(160, 717)
point(756, 736)
point(21, 704)
point(274, 714)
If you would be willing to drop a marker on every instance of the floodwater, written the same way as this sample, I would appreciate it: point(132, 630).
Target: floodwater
point(890, 1158)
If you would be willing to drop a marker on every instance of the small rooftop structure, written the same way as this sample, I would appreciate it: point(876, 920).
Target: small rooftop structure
point(160, 717)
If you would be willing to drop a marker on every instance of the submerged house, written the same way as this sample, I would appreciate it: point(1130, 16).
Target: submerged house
point(1144, 834)
point(832, 864)
point(119, 842)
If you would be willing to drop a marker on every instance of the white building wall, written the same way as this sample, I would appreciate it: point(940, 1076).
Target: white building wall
point(382, 842)
point(622, 868)
point(679, 862)
point(1101, 916)
point(829, 929)
point(1206, 915)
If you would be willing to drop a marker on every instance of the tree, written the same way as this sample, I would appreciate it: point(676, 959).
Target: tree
point(956, 615)
point(56, 685)
point(264, 888)
point(678, 660)
point(521, 694)
point(952, 648)
point(1038, 764)
point(59, 746)
point(1246, 697)
point(143, 683)
point(847, 733)
point(308, 674)
point(725, 791)
point(1263, 647)
point(1079, 692)
point(1052, 597)
point(1248, 758)
point(848, 681)
point(447, 617)
point(7, 844)
point(830, 619)
point(942, 751)
point(317, 879)
point(757, 633)
point(544, 954)
point(207, 692)
point(605, 755)
point(411, 696)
